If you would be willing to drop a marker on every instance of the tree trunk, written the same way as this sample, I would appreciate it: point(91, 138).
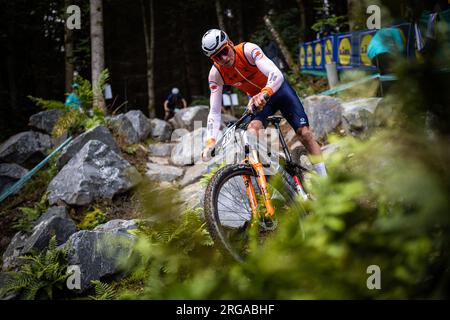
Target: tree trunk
point(302, 12)
point(287, 56)
point(240, 21)
point(356, 14)
point(219, 14)
point(68, 54)
point(97, 51)
point(149, 36)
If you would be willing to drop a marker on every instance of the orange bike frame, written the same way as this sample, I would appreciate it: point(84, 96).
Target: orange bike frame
point(262, 183)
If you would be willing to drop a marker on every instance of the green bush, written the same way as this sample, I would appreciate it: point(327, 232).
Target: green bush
point(92, 219)
point(42, 275)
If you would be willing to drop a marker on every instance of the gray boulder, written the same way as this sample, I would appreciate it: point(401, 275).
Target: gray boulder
point(159, 160)
point(26, 148)
point(55, 222)
point(192, 196)
point(187, 118)
point(358, 115)
point(140, 123)
point(160, 130)
point(324, 114)
point(132, 126)
point(95, 172)
point(160, 172)
point(193, 174)
point(9, 174)
point(14, 250)
point(100, 133)
point(45, 120)
point(189, 149)
point(161, 149)
point(99, 252)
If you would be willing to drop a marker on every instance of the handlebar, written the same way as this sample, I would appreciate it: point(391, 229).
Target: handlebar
point(241, 119)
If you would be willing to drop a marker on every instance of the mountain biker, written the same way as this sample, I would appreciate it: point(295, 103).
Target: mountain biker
point(173, 103)
point(246, 68)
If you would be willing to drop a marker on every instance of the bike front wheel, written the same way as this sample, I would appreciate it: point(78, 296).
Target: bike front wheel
point(228, 212)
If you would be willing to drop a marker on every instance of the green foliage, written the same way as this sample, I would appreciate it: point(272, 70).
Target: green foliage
point(29, 215)
point(47, 104)
point(72, 122)
point(84, 92)
point(97, 118)
point(41, 275)
point(92, 219)
point(77, 121)
point(204, 180)
point(103, 291)
point(384, 203)
point(339, 21)
point(166, 254)
point(306, 85)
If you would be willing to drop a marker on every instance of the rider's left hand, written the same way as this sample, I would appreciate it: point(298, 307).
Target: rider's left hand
point(257, 101)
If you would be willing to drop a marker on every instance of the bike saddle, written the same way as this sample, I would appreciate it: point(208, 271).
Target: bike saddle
point(274, 119)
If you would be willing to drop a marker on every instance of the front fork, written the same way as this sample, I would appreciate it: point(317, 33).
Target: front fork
point(252, 158)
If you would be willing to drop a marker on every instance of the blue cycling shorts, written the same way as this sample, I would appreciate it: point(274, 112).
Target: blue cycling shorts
point(289, 104)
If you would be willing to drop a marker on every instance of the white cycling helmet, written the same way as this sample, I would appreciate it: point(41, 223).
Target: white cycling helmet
point(175, 91)
point(213, 40)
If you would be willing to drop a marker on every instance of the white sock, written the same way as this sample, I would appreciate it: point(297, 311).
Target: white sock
point(320, 169)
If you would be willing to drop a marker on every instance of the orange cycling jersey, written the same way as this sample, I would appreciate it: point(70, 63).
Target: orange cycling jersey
point(243, 75)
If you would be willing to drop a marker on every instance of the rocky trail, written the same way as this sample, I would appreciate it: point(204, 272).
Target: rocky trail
point(103, 166)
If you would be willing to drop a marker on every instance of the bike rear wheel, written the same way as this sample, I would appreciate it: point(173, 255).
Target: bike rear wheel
point(228, 213)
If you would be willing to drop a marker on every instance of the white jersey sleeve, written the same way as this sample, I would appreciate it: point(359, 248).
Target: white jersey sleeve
point(215, 86)
point(255, 56)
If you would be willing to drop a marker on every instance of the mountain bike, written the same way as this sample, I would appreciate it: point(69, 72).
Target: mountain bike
point(240, 197)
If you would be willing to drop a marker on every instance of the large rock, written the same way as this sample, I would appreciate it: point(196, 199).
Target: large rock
point(9, 174)
point(140, 123)
point(132, 126)
point(26, 148)
point(188, 117)
point(189, 149)
point(100, 133)
point(95, 172)
point(160, 172)
point(194, 173)
point(358, 115)
point(192, 196)
point(324, 114)
point(45, 120)
point(161, 149)
point(99, 252)
point(225, 119)
point(54, 222)
point(160, 130)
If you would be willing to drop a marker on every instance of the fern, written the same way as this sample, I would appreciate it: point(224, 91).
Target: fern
point(29, 215)
point(47, 104)
point(208, 176)
point(103, 291)
point(41, 274)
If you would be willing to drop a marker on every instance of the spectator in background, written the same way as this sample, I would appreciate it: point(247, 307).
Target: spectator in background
point(173, 103)
point(73, 100)
point(385, 46)
point(227, 105)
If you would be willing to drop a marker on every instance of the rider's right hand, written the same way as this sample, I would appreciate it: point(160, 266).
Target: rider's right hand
point(206, 154)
